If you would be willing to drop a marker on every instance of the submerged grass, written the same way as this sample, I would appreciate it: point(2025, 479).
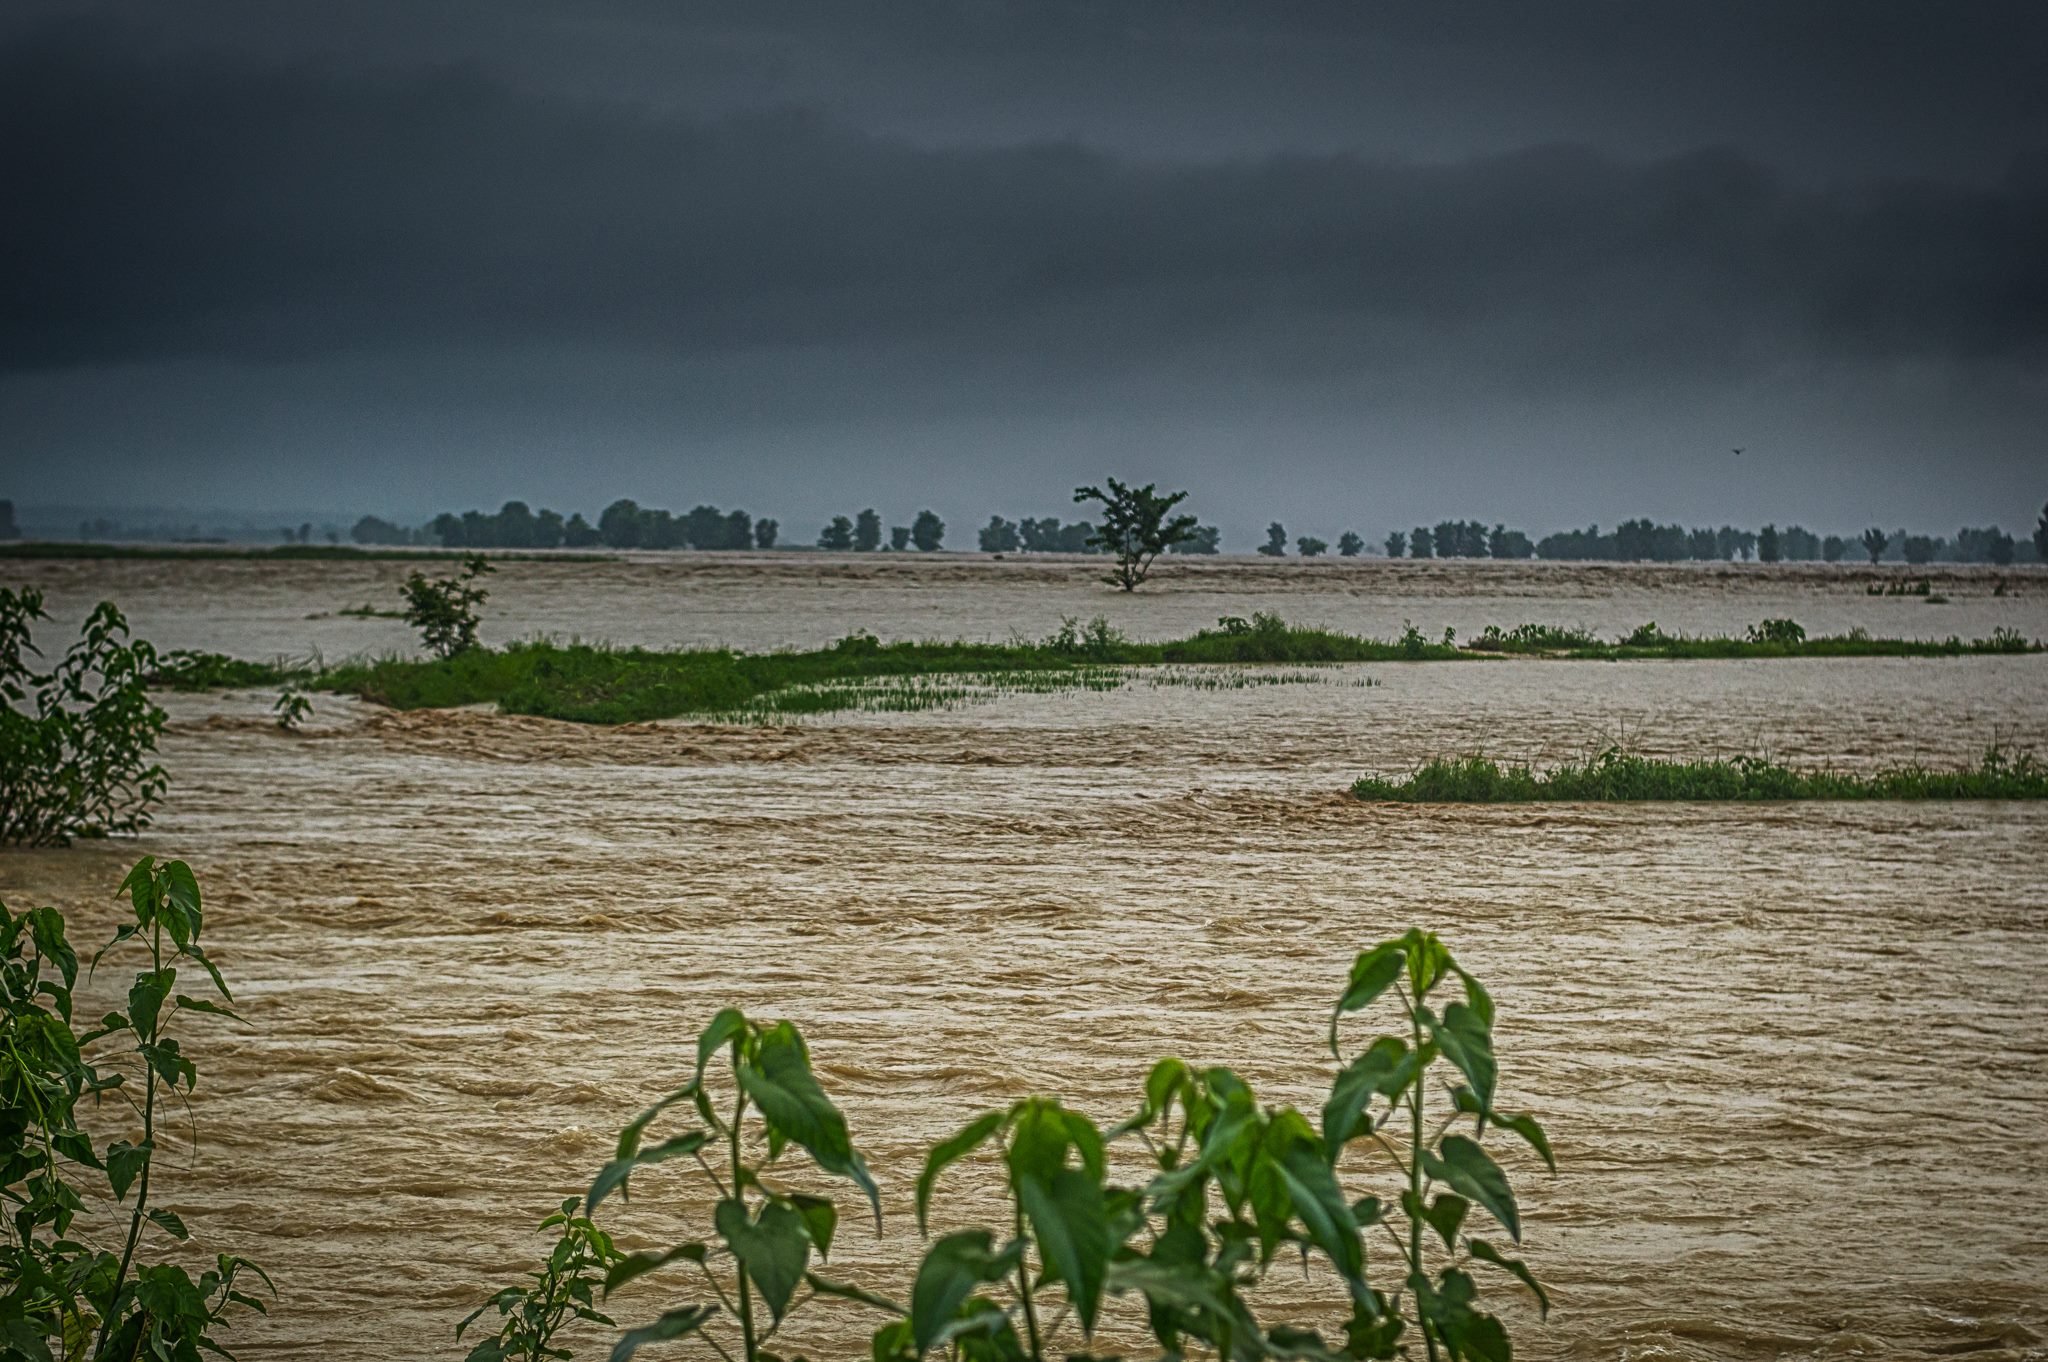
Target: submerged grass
point(1619, 776)
point(588, 683)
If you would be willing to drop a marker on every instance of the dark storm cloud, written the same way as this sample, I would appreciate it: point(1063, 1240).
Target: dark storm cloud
point(210, 204)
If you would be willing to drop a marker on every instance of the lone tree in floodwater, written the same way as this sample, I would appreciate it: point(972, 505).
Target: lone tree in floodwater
point(1875, 542)
point(1276, 541)
point(1135, 528)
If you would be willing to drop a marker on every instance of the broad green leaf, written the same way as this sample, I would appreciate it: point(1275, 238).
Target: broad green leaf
point(1087, 1143)
point(146, 999)
point(1170, 1078)
point(674, 1324)
point(1371, 973)
point(1320, 1203)
point(1427, 961)
point(1372, 1073)
point(845, 1291)
point(635, 1265)
point(728, 1024)
point(774, 1248)
point(780, 1082)
point(1445, 1214)
point(46, 929)
point(820, 1219)
point(1038, 1140)
point(1071, 1225)
point(1470, 1170)
point(124, 1163)
point(1526, 1126)
point(948, 1152)
point(181, 890)
point(1486, 1252)
point(169, 1223)
point(1466, 1040)
point(188, 1003)
point(952, 1268)
point(612, 1177)
point(629, 1138)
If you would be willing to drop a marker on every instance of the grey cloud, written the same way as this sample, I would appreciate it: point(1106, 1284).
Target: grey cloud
point(216, 205)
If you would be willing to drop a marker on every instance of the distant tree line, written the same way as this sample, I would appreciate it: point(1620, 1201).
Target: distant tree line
point(626, 524)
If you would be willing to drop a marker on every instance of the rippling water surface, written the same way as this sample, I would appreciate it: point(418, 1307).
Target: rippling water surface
point(1794, 1057)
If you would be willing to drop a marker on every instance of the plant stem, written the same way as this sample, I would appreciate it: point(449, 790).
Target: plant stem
point(739, 1191)
point(1415, 1175)
point(156, 960)
point(1024, 1292)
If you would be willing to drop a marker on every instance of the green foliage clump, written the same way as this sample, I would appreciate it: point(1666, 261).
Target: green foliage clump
point(565, 1288)
point(1227, 1189)
point(61, 1296)
point(1532, 638)
point(444, 609)
point(1617, 776)
point(77, 742)
point(291, 709)
point(1777, 631)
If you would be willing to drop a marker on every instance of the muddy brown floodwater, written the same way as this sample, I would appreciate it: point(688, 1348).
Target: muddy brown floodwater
point(1794, 1058)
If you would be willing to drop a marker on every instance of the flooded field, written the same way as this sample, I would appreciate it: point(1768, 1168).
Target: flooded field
point(1794, 1058)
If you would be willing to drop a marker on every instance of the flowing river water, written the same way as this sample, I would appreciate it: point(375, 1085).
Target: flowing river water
point(1794, 1058)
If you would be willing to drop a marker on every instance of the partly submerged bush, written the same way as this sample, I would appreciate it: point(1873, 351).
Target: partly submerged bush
point(77, 742)
point(444, 609)
point(1227, 1187)
point(62, 1295)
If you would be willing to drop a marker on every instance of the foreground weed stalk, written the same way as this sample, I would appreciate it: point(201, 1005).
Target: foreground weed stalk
point(59, 1296)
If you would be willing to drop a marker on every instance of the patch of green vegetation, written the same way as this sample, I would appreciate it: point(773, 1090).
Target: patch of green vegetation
point(48, 548)
point(187, 669)
point(1536, 638)
point(588, 683)
point(1618, 776)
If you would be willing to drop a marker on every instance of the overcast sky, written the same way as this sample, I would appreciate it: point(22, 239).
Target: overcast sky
point(1343, 265)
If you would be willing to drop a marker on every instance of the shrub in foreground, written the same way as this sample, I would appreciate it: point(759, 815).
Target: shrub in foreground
point(77, 742)
point(1226, 1189)
point(62, 1294)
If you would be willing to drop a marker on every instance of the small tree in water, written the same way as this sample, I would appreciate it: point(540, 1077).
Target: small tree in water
point(1135, 527)
point(444, 609)
point(1276, 541)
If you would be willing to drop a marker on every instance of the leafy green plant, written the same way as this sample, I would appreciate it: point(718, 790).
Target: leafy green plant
point(1233, 1184)
point(292, 708)
point(77, 742)
point(1135, 527)
point(529, 1316)
point(59, 1296)
point(444, 609)
point(1777, 631)
point(763, 1235)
